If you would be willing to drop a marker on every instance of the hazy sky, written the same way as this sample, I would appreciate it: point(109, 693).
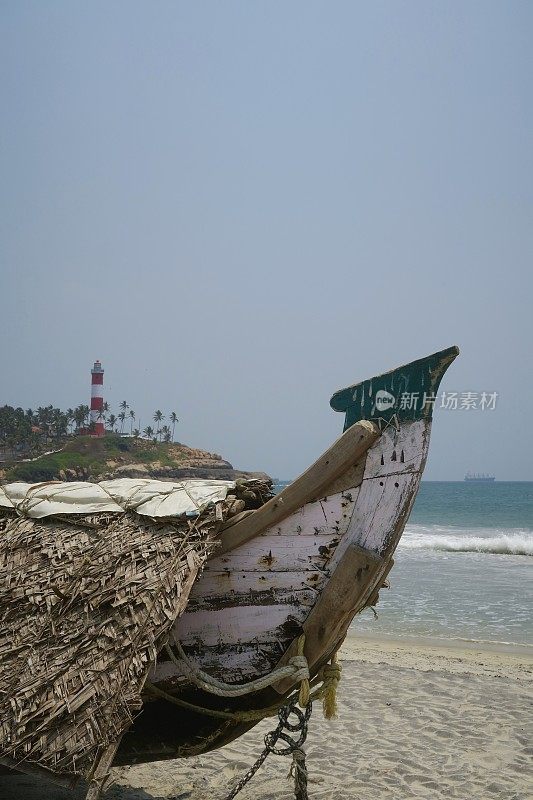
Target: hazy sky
point(240, 207)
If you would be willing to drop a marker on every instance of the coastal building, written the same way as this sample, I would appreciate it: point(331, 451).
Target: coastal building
point(97, 400)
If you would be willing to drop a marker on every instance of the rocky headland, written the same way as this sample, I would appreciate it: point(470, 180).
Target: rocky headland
point(85, 458)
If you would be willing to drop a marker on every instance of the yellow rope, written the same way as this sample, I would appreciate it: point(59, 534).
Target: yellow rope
point(331, 674)
point(303, 695)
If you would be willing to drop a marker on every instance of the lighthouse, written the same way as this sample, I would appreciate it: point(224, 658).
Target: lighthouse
point(97, 400)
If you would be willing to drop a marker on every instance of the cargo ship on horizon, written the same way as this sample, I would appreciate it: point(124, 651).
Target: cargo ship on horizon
point(479, 477)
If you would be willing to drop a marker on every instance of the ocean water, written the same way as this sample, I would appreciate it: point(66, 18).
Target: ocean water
point(463, 569)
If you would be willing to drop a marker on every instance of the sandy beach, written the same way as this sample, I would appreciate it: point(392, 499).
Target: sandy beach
point(416, 720)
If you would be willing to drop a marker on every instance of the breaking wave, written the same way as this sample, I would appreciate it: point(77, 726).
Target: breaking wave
point(518, 543)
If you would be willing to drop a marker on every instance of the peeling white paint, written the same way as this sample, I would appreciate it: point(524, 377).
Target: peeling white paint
point(246, 637)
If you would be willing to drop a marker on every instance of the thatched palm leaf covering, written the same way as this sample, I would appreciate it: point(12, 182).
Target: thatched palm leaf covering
point(86, 602)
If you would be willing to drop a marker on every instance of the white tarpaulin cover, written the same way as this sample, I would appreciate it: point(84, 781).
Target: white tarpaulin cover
point(148, 497)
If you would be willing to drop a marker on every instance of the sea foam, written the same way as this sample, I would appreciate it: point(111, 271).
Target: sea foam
point(517, 543)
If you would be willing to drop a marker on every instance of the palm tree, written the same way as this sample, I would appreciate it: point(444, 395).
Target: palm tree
point(59, 422)
point(136, 432)
point(124, 406)
point(173, 418)
point(148, 432)
point(44, 416)
point(132, 417)
point(86, 414)
point(112, 421)
point(122, 417)
point(158, 417)
point(79, 417)
point(70, 418)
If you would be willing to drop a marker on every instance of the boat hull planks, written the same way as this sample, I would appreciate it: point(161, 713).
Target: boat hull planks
point(258, 595)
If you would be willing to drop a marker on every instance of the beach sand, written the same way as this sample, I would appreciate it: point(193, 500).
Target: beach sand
point(416, 720)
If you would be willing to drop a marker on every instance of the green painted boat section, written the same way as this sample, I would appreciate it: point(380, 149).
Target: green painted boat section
point(406, 393)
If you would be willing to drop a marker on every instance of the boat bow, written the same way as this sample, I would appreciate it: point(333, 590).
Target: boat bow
point(404, 394)
point(312, 557)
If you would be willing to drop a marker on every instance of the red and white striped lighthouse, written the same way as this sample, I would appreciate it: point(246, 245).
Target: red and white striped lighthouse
point(97, 400)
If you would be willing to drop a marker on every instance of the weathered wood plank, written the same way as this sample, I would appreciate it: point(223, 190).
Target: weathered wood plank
point(371, 594)
point(252, 576)
point(349, 481)
point(229, 663)
point(240, 625)
point(258, 597)
point(384, 501)
point(227, 582)
point(392, 495)
point(310, 532)
point(101, 772)
point(279, 553)
point(339, 601)
point(398, 450)
point(323, 515)
point(346, 451)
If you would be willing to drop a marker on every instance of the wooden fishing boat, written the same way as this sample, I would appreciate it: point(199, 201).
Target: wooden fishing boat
point(307, 561)
point(301, 565)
